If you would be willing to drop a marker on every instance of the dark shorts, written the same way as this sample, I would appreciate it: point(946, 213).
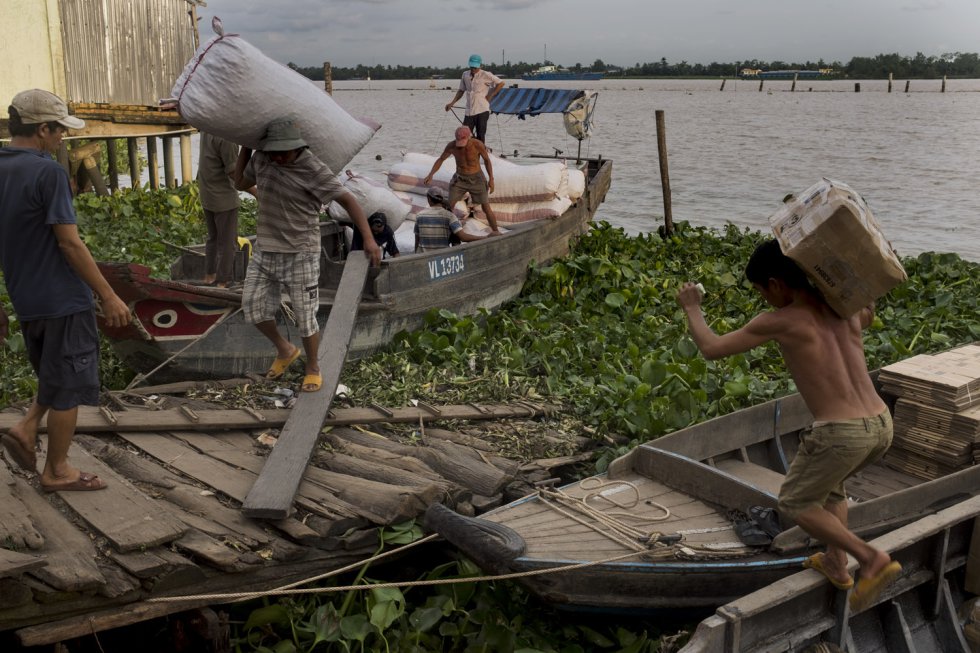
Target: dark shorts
point(829, 453)
point(478, 122)
point(64, 352)
point(475, 185)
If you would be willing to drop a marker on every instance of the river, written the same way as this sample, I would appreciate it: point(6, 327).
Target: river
point(734, 153)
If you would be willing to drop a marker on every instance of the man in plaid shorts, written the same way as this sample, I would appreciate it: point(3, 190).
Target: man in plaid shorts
point(292, 185)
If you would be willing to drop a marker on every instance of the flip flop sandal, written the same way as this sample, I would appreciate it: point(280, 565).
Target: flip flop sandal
point(867, 590)
point(767, 519)
point(815, 562)
point(749, 532)
point(314, 381)
point(18, 453)
point(85, 482)
point(280, 365)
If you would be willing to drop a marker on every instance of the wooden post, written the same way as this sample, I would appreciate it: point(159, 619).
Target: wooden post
point(722, 84)
point(793, 87)
point(185, 159)
point(151, 162)
point(664, 176)
point(943, 88)
point(169, 174)
point(857, 87)
point(134, 162)
point(327, 77)
point(907, 82)
point(110, 148)
point(760, 84)
point(889, 82)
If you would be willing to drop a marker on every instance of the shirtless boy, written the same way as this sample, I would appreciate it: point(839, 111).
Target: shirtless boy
point(852, 426)
point(469, 177)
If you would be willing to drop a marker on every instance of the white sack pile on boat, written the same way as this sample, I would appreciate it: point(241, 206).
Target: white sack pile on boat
point(373, 197)
point(521, 192)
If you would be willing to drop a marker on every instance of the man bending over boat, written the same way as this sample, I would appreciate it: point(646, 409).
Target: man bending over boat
point(469, 177)
point(51, 277)
point(291, 184)
point(852, 426)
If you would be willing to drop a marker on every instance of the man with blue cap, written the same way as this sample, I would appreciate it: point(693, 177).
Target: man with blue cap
point(479, 86)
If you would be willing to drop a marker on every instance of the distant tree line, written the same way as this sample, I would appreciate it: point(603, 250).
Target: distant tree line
point(955, 64)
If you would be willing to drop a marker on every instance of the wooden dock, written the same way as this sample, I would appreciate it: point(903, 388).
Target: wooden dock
point(179, 469)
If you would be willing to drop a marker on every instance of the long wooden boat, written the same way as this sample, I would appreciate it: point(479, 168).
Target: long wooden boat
point(657, 530)
point(202, 333)
point(917, 613)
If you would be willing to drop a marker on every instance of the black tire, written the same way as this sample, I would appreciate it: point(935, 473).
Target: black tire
point(482, 540)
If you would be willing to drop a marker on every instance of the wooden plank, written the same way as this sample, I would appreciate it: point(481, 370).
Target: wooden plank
point(92, 420)
point(272, 495)
point(895, 508)
point(231, 481)
point(125, 516)
point(69, 552)
point(14, 564)
point(701, 481)
point(17, 531)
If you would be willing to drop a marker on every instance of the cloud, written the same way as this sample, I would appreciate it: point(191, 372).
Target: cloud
point(925, 5)
point(510, 5)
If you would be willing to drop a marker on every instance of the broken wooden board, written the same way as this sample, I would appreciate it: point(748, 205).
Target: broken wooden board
point(17, 531)
point(123, 514)
point(14, 564)
point(272, 495)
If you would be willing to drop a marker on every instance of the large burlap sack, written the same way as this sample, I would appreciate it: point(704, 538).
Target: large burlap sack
point(373, 197)
point(230, 89)
point(515, 212)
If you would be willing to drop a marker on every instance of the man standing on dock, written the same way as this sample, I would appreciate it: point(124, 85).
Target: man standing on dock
point(480, 86)
point(50, 275)
point(292, 185)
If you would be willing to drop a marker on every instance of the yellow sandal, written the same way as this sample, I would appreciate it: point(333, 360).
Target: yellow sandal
point(280, 365)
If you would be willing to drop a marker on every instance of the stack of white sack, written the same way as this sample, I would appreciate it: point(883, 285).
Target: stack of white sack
point(232, 90)
point(521, 192)
point(373, 196)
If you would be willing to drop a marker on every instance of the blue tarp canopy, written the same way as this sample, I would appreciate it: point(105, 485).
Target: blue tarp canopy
point(522, 102)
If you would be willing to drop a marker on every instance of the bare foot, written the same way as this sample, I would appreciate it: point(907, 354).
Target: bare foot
point(74, 481)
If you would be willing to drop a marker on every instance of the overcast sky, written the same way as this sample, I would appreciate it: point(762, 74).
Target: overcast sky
point(620, 32)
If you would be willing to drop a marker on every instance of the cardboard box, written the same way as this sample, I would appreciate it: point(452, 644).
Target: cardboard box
point(831, 234)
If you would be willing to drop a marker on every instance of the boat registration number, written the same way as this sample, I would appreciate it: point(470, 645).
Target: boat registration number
point(446, 266)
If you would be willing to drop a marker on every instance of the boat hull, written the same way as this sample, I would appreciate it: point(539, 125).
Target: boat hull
point(186, 332)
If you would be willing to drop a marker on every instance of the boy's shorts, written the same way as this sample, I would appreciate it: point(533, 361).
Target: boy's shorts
point(474, 184)
point(269, 273)
point(64, 352)
point(829, 453)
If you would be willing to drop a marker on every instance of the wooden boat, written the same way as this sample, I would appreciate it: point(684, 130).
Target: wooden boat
point(656, 531)
point(203, 331)
point(918, 612)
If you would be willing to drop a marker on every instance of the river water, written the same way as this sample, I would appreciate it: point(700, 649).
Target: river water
point(733, 154)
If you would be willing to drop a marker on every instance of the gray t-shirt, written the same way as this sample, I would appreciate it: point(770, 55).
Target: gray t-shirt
point(215, 165)
point(290, 198)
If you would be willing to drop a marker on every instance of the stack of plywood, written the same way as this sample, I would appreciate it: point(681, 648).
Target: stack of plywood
point(937, 416)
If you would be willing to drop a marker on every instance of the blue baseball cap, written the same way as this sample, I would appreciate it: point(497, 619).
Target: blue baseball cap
point(475, 61)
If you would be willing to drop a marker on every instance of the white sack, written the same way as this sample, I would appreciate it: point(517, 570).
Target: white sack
point(230, 89)
point(373, 197)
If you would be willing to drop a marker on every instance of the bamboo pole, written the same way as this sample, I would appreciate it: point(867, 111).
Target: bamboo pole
point(185, 159)
point(110, 148)
point(664, 176)
point(907, 82)
point(132, 148)
point(722, 84)
point(793, 87)
point(169, 174)
point(328, 77)
point(889, 82)
point(151, 162)
point(760, 84)
point(943, 89)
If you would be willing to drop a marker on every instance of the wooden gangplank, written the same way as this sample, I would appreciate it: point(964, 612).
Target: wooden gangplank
point(271, 497)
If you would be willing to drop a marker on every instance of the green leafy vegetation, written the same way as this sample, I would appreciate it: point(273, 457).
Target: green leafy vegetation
point(598, 333)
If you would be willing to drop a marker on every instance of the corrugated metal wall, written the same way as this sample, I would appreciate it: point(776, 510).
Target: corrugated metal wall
point(125, 51)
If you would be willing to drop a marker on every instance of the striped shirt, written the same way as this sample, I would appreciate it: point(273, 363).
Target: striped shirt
point(290, 197)
point(433, 227)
